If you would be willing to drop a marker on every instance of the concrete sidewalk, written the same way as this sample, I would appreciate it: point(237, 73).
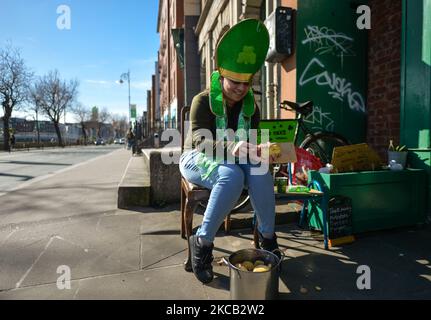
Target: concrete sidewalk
point(138, 254)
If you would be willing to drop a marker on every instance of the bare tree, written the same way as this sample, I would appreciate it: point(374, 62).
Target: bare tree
point(34, 107)
point(82, 114)
point(104, 117)
point(55, 95)
point(119, 123)
point(15, 78)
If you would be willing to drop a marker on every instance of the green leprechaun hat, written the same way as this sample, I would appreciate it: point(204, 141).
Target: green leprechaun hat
point(240, 53)
point(242, 50)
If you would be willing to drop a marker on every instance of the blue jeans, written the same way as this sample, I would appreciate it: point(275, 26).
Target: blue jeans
point(226, 183)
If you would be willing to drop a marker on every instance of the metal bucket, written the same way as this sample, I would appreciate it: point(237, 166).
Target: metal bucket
point(246, 285)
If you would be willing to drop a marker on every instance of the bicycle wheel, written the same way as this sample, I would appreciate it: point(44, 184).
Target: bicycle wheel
point(322, 144)
point(242, 202)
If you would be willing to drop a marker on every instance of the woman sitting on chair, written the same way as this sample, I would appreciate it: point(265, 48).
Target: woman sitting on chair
point(229, 104)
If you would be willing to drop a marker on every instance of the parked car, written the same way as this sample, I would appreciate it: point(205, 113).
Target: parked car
point(99, 142)
point(120, 141)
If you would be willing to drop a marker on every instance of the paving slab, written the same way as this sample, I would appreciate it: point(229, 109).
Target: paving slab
point(161, 283)
point(17, 258)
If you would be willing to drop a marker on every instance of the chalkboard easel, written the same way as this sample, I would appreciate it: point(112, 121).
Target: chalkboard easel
point(340, 217)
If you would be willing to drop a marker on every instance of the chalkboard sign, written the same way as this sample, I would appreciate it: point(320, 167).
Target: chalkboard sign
point(340, 217)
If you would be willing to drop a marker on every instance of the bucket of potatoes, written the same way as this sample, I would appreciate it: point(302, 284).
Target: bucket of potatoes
point(254, 274)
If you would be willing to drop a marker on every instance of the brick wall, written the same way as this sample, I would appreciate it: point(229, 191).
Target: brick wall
point(384, 60)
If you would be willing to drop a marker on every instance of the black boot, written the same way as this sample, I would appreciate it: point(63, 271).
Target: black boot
point(201, 258)
point(270, 244)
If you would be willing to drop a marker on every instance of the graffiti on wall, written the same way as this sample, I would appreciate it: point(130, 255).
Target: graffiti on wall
point(332, 67)
point(319, 120)
point(327, 41)
point(338, 87)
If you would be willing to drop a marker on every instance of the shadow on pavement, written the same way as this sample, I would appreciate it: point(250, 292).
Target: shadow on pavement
point(23, 177)
point(36, 163)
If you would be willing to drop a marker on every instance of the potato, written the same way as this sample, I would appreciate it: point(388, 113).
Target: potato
point(249, 265)
point(261, 268)
point(258, 263)
point(241, 267)
point(274, 150)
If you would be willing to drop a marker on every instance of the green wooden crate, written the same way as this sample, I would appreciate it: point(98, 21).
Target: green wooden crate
point(380, 199)
point(421, 159)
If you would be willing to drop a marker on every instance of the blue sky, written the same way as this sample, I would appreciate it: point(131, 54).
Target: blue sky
point(107, 37)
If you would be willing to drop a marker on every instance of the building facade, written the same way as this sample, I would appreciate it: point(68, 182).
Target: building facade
point(367, 69)
point(27, 131)
point(170, 22)
point(192, 77)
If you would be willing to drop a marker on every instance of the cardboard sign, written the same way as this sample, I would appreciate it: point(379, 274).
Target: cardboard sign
point(357, 157)
point(282, 132)
point(287, 153)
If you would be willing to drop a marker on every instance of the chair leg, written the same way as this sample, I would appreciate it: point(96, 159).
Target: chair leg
point(188, 216)
point(183, 227)
point(227, 224)
point(188, 261)
point(256, 236)
point(189, 207)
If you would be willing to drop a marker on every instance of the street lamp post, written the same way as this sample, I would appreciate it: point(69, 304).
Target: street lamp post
point(126, 76)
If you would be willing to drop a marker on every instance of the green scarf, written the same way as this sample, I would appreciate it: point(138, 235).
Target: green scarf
point(218, 108)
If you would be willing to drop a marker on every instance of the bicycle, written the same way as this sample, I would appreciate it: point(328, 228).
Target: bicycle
point(319, 144)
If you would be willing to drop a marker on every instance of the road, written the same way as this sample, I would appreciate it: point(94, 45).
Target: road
point(56, 184)
point(20, 167)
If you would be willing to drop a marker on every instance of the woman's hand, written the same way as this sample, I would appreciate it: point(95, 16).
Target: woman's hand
point(256, 153)
point(241, 149)
point(265, 154)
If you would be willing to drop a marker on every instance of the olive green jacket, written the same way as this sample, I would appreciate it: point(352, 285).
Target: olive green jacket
point(201, 118)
